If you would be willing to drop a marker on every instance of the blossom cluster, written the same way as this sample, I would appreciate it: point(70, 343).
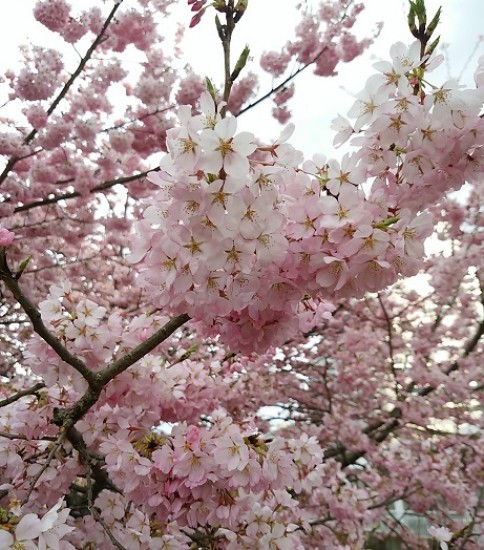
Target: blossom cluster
point(223, 475)
point(34, 533)
point(239, 233)
point(256, 244)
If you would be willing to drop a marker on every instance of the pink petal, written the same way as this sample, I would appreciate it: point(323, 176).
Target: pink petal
point(28, 528)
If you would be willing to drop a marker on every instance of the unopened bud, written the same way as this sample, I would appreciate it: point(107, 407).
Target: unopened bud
point(433, 24)
point(196, 18)
point(21, 268)
point(411, 20)
point(430, 50)
point(240, 9)
point(220, 5)
point(198, 5)
point(241, 63)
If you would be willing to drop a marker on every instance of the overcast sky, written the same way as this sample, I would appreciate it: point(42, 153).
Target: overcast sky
point(267, 25)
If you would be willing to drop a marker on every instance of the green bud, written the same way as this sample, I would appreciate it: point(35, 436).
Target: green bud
point(411, 20)
point(219, 5)
point(220, 28)
point(210, 89)
point(192, 349)
point(430, 50)
point(242, 5)
point(385, 224)
point(433, 24)
point(420, 12)
point(22, 266)
point(240, 9)
point(241, 63)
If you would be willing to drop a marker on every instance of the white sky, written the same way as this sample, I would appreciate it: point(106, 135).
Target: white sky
point(267, 25)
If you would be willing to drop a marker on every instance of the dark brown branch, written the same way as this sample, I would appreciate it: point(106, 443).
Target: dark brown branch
point(101, 187)
point(69, 416)
point(119, 366)
point(101, 481)
point(20, 394)
point(282, 84)
point(37, 323)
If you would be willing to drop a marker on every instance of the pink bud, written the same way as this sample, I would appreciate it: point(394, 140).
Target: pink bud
point(198, 5)
point(196, 18)
point(6, 237)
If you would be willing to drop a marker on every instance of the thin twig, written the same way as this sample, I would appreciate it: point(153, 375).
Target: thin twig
point(389, 327)
point(282, 84)
point(101, 187)
point(50, 456)
point(13, 436)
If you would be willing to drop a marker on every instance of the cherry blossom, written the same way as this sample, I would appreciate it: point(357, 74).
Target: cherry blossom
point(209, 340)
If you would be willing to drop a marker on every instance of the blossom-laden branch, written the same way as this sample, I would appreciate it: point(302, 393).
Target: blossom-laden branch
point(67, 417)
point(73, 194)
point(11, 282)
point(28, 391)
point(140, 351)
point(255, 244)
point(63, 92)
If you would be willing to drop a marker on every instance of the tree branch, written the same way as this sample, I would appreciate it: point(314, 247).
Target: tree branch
point(282, 84)
point(119, 366)
point(23, 393)
point(101, 187)
point(50, 456)
point(389, 327)
point(69, 416)
point(37, 323)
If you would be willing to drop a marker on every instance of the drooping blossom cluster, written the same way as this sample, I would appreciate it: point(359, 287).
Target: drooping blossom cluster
point(224, 473)
point(209, 248)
